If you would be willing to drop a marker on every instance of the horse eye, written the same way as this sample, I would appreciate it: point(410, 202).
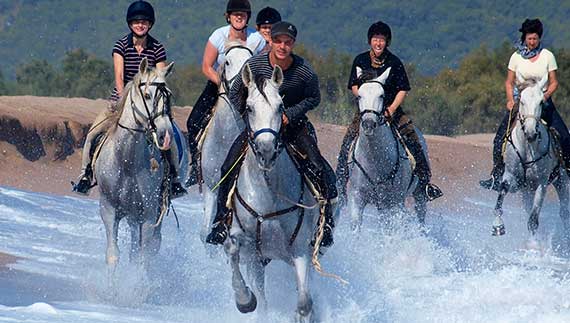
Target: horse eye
point(248, 108)
point(227, 63)
point(147, 96)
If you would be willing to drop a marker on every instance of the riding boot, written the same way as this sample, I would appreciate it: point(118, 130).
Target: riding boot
point(318, 171)
point(176, 189)
point(412, 141)
point(342, 170)
point(197, 121)
point(193, 174)
point(84, 182)
point(494, 182)
point(554, 120)
point(230, 170)
point(327, 239)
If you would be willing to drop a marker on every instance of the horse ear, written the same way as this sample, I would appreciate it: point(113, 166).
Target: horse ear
point(358, 72)
point(143, 66)
point(168, 70)
point(246, 75)
point(543, 81)
point(277, 76)
point(382, 78)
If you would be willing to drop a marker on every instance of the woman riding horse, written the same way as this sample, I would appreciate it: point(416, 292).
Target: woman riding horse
point(237, 15)
point(532, 61)
point(300, 92)
point(379, 59)
point(128, 53)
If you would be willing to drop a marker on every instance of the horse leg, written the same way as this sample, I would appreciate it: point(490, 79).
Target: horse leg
point(563, 191)
point(539, 195)
point(304, 302)
point(527, 200)
point(420, 206)
point(498, 224)
point(355, 207)
point(210, 199)
point(136, 240)
point(151, 239)
point(245, 299)
point(111, 222)
point(256, 271)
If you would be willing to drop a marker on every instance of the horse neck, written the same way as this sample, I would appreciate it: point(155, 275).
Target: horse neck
point(526, 148)
point(278, 178)
point(381, 147)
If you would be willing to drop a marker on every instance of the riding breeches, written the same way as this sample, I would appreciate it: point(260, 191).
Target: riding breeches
point(407, 130)
point(201, 114)
point(552, 118)
point(98, 128)
point(315, 166)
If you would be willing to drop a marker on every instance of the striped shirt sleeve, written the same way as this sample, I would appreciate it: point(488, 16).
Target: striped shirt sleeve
point(119, 48)
point(160, 53)
point(312, 97)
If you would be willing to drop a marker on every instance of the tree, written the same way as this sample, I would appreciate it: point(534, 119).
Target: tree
point(37, 78)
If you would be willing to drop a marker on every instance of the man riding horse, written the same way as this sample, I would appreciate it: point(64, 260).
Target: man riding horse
point(532, 61)
point(128, 53)
point(300, 92)
point(378, 59)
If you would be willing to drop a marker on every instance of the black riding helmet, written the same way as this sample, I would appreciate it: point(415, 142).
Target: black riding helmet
point(267, 15)
point(380, 28)
point(531, 26)
point(140, 10)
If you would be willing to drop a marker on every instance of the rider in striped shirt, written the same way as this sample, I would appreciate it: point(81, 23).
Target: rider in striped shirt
point(300, 92)
point(128, 53)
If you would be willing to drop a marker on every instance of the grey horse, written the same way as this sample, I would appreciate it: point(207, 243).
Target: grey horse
point(130, 168)
point(531, 160)
point(381, 173)
point(269, 219)
point(225, 126)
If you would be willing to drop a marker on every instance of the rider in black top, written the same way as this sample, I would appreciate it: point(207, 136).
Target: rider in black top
point(300, 92)
point(378, 59)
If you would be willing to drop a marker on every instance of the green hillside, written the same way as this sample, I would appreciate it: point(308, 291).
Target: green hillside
point(430, 34)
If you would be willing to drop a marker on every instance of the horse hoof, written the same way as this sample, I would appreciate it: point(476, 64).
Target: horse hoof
point(498, 230)
point(249, 307)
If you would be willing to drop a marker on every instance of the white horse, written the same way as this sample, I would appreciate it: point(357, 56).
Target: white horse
point(267, 222)
point(130, 168)
point(225, 126)
point(381, 173)
point(531, 161)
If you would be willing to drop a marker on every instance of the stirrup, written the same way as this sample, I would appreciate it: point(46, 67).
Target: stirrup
point(433, 192)
point(492, 183)
point(176, 190)
point(218, 234)
point(82, 187)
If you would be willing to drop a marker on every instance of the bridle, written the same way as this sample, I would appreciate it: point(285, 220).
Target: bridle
point(149, 126)
point(228, 83)
point(252, 135)
point(380, 114)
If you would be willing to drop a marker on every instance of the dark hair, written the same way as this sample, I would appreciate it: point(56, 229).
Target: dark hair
point(380, 28)
point(531, 26)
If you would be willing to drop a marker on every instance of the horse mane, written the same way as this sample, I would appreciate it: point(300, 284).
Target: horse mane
point(115, 113)
point(366, 76)
point(259, 81)
point(527, 83)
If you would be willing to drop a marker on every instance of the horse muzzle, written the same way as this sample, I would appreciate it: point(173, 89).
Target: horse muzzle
point(368, 126)
point(266, 153)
